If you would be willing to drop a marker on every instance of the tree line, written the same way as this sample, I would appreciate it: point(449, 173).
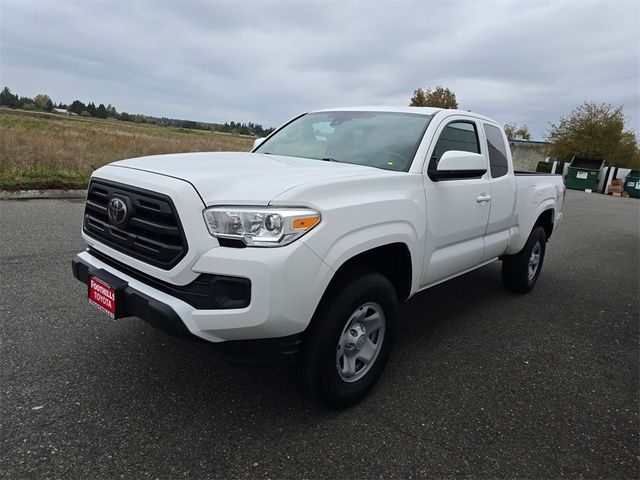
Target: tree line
point(43, 103)
point(592, 129)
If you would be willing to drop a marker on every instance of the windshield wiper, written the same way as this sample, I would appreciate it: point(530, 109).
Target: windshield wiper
point(329, 159)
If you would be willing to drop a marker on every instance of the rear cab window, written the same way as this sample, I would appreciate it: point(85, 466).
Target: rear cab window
point(497, 151)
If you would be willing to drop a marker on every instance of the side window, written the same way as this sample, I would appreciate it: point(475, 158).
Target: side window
point(497, 151)
point(455, 136)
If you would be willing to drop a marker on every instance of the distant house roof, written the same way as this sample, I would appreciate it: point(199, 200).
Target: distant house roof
point(60, 110)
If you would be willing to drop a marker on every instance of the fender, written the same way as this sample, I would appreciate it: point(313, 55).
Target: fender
point(355, 242)
point(520, 233)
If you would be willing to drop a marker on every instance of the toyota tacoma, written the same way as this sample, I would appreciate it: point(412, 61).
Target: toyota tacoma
point(300, 251)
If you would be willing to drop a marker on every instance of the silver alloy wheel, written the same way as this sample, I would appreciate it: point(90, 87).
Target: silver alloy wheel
point(360, 342)
point(534, 259)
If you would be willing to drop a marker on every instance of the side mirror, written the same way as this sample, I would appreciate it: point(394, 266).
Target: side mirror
point(457, 165)
point(257, 142)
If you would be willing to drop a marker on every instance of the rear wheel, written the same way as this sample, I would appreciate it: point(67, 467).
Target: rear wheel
point(520, 272)
point(350, 339)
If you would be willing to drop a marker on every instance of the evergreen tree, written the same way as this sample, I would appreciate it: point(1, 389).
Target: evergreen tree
point(8, 99)
point(101, 111)
point(77, 107)
point(25, 102)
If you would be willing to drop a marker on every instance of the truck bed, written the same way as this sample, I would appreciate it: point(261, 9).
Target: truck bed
point(522, 173)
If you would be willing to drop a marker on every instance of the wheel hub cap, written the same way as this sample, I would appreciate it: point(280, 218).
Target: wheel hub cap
point(360, 342)
point(355, 339)
point(534, 260)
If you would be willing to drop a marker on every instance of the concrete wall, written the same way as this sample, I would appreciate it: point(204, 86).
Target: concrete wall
point(526, 155)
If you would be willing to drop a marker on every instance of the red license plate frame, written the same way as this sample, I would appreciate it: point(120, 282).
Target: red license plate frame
point(102, 296)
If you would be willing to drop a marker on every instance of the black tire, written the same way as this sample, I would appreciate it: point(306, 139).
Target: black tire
point(516, 274)
point(317, 371)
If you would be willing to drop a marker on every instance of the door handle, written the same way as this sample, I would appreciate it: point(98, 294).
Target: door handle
point(483, 198)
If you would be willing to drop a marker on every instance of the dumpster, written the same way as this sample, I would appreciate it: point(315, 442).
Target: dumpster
point(583, 173)
point(632, 184)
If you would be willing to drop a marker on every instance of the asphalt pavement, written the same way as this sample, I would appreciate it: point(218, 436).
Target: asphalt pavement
point(482, 383)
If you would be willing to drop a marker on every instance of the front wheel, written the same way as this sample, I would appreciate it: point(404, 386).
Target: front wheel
point(350, 339)
point(520, 272)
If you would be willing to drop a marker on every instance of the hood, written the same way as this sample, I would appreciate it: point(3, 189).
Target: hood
point(237, 178)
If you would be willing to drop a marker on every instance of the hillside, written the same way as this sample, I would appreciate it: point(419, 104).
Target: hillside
point(41, 150)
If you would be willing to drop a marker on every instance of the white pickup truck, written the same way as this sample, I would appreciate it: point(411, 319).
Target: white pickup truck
point(301, 250)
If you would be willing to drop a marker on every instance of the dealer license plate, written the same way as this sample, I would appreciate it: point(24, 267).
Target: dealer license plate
point(102, 296)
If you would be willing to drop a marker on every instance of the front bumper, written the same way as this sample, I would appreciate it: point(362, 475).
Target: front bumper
point(134, 303)
point(255, 352)
point(286, 286)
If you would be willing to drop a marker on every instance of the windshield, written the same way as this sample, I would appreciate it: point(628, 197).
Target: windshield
point(386, 140)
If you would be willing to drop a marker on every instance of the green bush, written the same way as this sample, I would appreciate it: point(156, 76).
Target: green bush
point(41, 178)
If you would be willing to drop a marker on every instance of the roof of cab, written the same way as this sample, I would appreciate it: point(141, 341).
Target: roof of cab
point(405, 109)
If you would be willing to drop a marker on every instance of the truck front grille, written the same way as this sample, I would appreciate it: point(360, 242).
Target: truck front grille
point(149, 230)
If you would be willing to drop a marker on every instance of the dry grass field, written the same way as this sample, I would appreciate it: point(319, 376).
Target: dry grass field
point(51, 151)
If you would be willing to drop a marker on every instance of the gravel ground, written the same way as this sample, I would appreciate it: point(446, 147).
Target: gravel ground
point(482, 383)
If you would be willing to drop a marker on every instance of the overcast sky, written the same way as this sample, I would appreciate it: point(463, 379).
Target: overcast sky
point(266, 61)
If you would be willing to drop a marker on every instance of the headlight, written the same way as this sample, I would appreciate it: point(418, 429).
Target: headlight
point(260, 227)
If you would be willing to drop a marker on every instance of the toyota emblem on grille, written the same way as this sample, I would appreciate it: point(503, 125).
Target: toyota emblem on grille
point(117, 211)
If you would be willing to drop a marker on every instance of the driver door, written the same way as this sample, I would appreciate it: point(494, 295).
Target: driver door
point(457, 209)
